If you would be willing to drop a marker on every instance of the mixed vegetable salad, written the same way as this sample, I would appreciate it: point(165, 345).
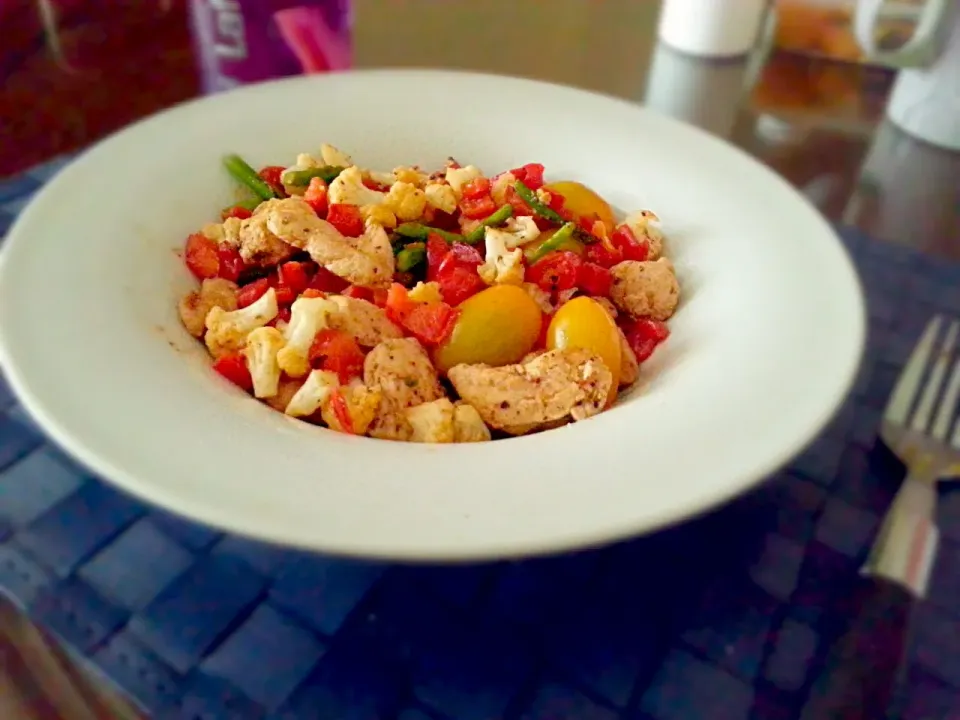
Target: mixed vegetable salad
point(428, 307)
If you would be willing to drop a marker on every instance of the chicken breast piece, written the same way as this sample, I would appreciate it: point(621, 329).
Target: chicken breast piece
point(441, 421)
point(256, 244)
point(629, 367)
point(406, 377)
point(368, 323)
point(366, 261)
point(645, 289)
point(541, 392)
point(213, 292)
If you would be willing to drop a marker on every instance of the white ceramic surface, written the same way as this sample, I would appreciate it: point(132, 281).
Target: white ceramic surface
point(764, 347)
point(925, 100)
point(712, 28)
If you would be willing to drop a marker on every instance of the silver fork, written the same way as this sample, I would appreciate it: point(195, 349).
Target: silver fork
point(919, 425)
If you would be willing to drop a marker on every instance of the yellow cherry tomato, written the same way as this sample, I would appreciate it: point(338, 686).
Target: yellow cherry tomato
point(571, 244)
point(497, 326)
point(582, 201)
point(583, 323)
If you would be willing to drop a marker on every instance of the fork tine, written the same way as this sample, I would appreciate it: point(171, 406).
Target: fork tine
point(948, 406)
point(907, 387)
point(921, 419)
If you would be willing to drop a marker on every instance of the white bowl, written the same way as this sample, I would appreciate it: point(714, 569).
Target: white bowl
point(764, 347)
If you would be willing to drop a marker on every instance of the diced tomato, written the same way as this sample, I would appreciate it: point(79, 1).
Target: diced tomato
point(251, 292)
point(557, 204)
point(544, 325)
point(604, 256)
point(520, 208)
point(316, 196)
point(446, 221)
point(271, 175)
point(338, 352)
point(398, 303)
point(594, 279)
point(632, 248)
point(283, 315)
point(234, 368)
point(372, 184)
point(346, 219)
point(431, 322)
point(231, 264)
point(379, 297)
point(360, 293)
point(342, 412)
point(476, 188)
point(237, 211)
point(294, 275)
point(326, 281)
point(437, 249)
point(458, 283)
point(460, 255)
point(312, 293)
point(477, 208)
point(644, 335)
point(285, 294)
point(556, 271)
point(200, 255)
point(530, 175)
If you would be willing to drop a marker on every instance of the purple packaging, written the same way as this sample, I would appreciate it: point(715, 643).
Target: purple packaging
point(245, 41)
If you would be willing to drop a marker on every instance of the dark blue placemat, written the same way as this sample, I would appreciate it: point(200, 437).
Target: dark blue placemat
point(726, 618)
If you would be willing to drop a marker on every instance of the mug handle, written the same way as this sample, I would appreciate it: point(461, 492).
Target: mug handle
point(917, 50)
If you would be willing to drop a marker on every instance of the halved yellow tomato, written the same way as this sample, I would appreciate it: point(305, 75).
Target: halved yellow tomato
point(582, 201)
point(497, 326)
point(583, 323)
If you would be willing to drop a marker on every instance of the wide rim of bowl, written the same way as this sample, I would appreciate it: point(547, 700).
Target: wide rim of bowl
point(761, 467)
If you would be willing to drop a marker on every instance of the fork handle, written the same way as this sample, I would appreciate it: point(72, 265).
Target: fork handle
point(862, 668)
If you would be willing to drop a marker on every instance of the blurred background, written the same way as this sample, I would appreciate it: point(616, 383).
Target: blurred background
point(804, 100)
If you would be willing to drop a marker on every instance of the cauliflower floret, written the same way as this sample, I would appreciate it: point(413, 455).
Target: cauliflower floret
point(263, 344)
point(458, 177)
point(226, 233)
point(362, 404)
point(426, 292)
point(468, 426)
point(348, 188)
point(410, 175)
point(308, 316)
point(503, 265)
point(306, 161)
point(431, 422)
point(498, 189)
point(227, 330)
point(406, 201)
point(380, 215)
point(440, 421)
point(332, 156)
point(315, 391)
point(441, 197)
point(523, 228)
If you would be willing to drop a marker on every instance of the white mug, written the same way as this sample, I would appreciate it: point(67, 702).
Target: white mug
point(712, 28)
point(925, 100)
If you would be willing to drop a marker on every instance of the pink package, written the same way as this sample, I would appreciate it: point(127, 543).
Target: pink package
point(245, 41)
